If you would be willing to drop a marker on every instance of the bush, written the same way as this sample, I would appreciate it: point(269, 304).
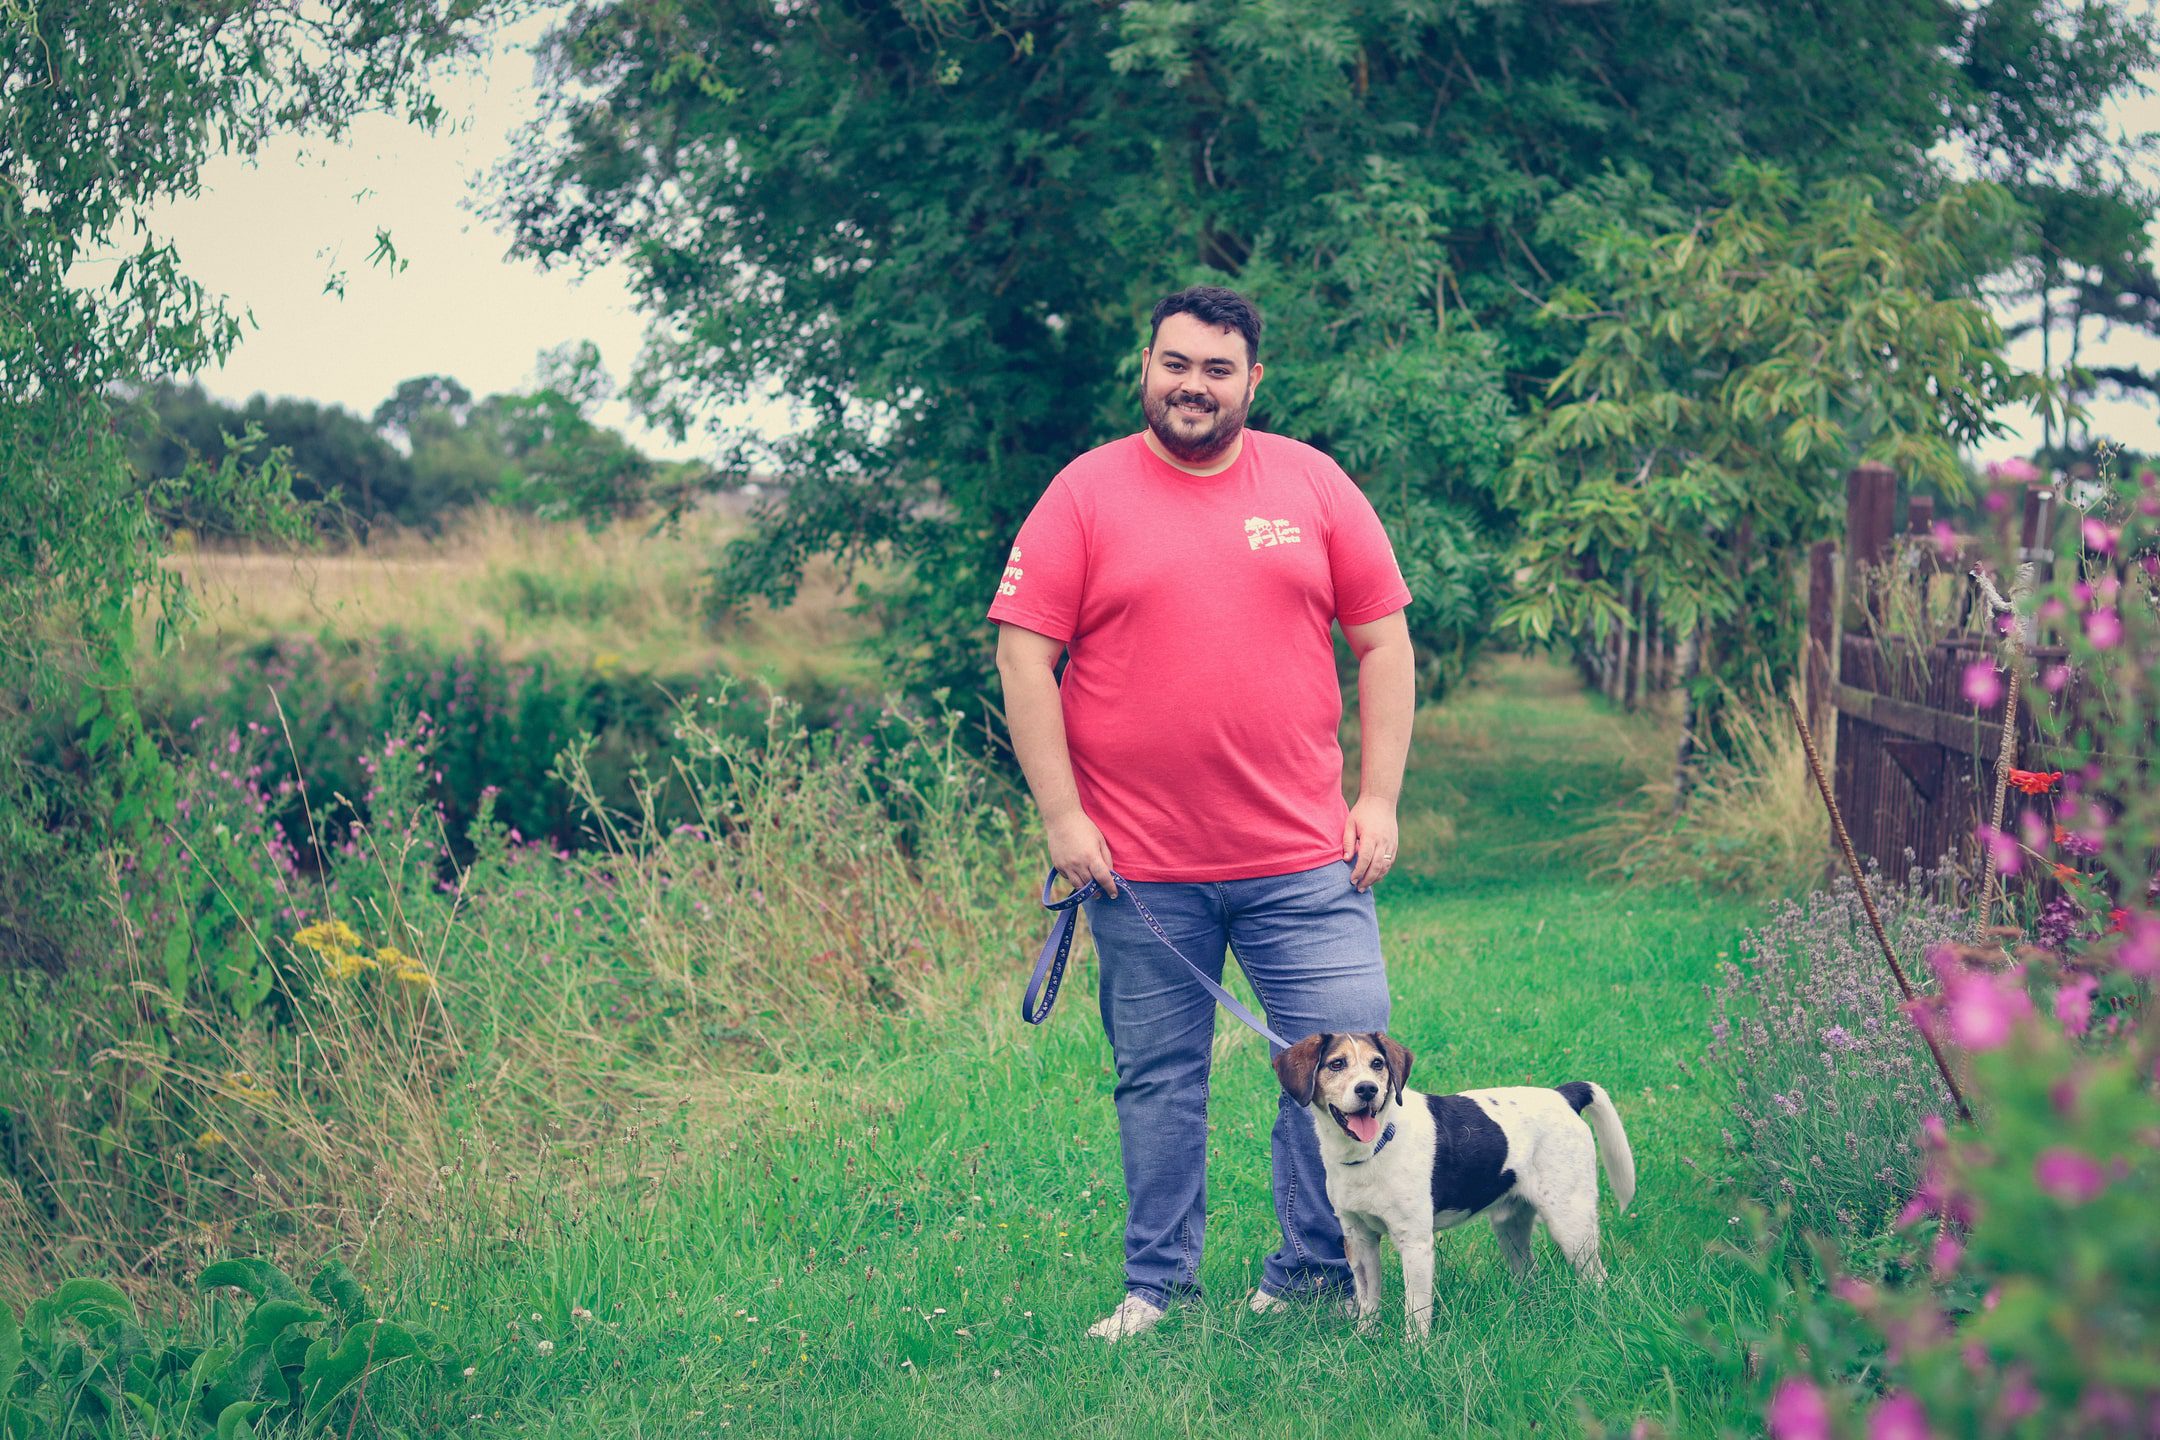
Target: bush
point(1828, 1078)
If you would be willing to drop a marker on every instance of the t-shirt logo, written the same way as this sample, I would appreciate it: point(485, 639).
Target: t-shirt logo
point(1010, 583)
point(1259, 532)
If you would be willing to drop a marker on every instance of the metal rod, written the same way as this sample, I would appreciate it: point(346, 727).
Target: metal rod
point(1867, 901)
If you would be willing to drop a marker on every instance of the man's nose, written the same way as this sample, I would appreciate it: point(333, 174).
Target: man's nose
point(1366, 1090)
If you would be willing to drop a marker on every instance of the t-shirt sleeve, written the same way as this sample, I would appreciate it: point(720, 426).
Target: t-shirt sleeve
point(1368, 583)
point(1040, 589)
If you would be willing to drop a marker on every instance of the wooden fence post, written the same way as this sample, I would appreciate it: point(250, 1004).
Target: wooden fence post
point(1870, 499)
point(1820, 670)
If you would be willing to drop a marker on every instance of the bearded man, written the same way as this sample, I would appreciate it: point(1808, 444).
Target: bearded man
point(1192, 573)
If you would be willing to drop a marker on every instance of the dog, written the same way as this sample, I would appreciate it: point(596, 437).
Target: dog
point(1408, 1165)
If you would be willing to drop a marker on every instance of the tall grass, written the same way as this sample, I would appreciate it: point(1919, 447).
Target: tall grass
point(532, 998)
point(1753, 823)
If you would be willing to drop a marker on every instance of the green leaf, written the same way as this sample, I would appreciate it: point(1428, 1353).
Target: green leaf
point(365, 1348)
point(93, 1303)
point(10, 1348)
point(259, 1278)
point(234, 1421)
point(272, 1318)
point(337, 1287)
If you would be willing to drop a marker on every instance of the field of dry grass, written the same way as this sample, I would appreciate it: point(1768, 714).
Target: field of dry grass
point(622, 595)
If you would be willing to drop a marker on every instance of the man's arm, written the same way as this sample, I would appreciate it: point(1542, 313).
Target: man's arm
point(1387, 708)
point(1027, 665)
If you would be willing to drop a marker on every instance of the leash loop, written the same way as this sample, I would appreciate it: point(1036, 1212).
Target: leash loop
point(1042, 988)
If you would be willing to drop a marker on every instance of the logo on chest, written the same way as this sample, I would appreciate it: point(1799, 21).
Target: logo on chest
point(1260, 533)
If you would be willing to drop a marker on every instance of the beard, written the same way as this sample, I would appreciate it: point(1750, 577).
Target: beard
point(1195, 444)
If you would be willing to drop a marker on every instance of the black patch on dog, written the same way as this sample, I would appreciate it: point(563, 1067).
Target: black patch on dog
point(1469, 1156)
point(1576, 1093)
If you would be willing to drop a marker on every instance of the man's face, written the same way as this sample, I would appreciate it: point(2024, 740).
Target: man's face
point(1196, 386)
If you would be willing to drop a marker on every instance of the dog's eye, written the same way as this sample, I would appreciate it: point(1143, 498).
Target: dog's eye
point(1376, 1062)
point(1338, 1064)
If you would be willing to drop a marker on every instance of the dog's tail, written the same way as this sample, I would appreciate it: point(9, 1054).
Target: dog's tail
point(1594, 1105)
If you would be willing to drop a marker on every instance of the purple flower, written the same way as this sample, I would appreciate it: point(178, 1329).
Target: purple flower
point(2073, 1005)
point(2104, 628)
point(2069, 1175)
point(2002, 846)
point(1838, 1038)
point(1797, 1412)
point(1898, 1416)
point(2054, 678)
point(1982, 685)
point(2099, 536)
point(1786, 1104)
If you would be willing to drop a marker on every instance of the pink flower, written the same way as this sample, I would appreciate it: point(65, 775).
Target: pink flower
point(2054, 678)
point(2002, 846)
point(1997, 501)
point(2018, 1398)
point(1982, 685)
point(1943, 1258)
point(1982, 1008)
point(1946, 541)
point(2139, 952)
point(2073, 1005)
point(2103, 628)
point(2014, 471)
point(2099, 536)
point(2069, 1175)
point(1933, 1133)
point(1797, 1412)
point(1898, 1417)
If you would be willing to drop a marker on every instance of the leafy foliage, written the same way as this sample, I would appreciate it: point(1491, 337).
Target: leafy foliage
point(935, 229)
point(1731, 369)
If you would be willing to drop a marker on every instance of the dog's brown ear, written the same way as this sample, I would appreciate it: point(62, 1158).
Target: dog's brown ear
point(1299, 1067)
point(1398, 1062)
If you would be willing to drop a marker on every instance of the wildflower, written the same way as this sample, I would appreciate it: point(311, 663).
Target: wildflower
point(1982, 685)
point(2103, 627)
point(2000, 845)
point(2035, 782)
point(1982, 1009)
point(1797, 1412)
point(2014, 471)
point(327, 937)
point(343, 965)
point(2073, 1005)
point(2069, 1175)
point(2064, 874)
point(1898, 1416)
point(544, 1347)
point(417, 976)
point(243, 1085)
point(1948, 1250)
point(2099, 536)
point(210, 1139)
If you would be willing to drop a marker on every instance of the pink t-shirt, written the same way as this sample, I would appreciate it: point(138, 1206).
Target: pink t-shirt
point(1200, 700)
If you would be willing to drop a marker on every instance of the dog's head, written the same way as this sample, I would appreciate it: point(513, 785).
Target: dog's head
point(1355, 1076)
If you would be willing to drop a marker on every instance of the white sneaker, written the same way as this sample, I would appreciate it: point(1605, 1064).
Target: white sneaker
point(1133, 1316)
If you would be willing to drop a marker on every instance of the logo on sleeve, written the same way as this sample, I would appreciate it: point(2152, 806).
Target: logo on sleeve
point(1011, 581)
point(1259, 532)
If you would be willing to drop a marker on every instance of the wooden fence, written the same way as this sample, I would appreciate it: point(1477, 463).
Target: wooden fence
point(1891, 632)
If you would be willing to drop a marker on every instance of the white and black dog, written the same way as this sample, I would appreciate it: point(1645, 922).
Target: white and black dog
point(1407, 1164)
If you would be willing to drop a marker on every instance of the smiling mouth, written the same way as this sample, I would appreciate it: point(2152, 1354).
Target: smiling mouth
point(1363, 1126)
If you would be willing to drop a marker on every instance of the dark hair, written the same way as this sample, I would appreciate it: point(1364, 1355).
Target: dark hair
point(1213, 305)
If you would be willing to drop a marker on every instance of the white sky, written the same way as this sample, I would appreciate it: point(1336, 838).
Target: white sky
point(271, 234)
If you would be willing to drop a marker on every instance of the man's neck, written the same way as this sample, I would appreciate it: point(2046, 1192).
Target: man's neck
point(1215, 466)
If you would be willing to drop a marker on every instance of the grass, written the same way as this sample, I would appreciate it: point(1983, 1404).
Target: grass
point(535, 588)
point(687, 1204)
point(906, 1236)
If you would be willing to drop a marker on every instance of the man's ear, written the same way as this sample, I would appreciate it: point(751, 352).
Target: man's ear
point(1299, 1067)
point(1398, 1062)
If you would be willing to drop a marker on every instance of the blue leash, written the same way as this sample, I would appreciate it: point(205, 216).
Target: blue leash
point(1050, 964)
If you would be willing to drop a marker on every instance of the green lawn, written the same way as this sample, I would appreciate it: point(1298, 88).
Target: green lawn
point(908, 1238)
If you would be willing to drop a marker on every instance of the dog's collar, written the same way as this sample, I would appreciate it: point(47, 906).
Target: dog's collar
point(1378, 1145)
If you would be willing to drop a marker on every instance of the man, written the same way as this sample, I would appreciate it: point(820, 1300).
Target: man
point(1192, 573)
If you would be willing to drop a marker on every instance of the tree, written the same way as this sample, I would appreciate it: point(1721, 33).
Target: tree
point(1730, 370)
point(109, 108)
point(421, 395)
point(937, 228)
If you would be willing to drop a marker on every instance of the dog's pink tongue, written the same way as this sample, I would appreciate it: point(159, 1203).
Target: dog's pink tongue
point(1365, 1127)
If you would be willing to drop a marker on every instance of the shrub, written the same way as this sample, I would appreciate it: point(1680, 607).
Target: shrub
point(1828, 1079)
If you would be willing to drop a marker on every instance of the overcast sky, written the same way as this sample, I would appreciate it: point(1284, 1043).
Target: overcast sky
point(272, 235)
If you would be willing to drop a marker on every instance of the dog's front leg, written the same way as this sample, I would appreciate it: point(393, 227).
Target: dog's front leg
point(1361, 1247)
point(1417, 1268)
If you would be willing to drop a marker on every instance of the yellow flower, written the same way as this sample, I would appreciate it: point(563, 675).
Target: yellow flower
point(210, 1139)
point(328, 937)
point(392, 958)
point(345, 964)
point(244, 1086)
point(416, 974)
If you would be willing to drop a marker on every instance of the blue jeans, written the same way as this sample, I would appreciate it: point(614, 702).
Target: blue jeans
point(1309, 943)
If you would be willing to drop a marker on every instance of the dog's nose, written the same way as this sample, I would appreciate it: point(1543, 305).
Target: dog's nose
point(1366, 1090)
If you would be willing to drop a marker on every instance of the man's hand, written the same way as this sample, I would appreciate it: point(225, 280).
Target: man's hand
point(1370, 835)
point(1079, 852)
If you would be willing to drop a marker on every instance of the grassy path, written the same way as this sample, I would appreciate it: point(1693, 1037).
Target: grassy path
point(913, 1244)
